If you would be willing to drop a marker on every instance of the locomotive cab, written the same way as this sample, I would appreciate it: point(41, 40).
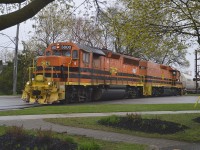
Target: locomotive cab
point(47, 79)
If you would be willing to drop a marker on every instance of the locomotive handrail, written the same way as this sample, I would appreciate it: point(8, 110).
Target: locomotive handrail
point(30, 73)
point(142, 78)
point(51, 72)
point(68, 71)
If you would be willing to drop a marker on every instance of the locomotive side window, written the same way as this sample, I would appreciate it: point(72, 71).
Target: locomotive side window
point(142, 67)
point(131, 62)
point(75, 54)
point(86, 57)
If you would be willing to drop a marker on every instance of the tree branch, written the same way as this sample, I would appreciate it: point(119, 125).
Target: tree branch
point(23, 14)
point(11, 1)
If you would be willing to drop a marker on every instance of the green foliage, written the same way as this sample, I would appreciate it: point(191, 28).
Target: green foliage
point(6, 79)
point(130, 23)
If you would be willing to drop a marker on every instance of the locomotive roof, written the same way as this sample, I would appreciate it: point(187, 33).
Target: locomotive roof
point(90, 49)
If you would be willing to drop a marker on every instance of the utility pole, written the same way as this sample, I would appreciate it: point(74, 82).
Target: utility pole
point(196, 71)
point(15, 63)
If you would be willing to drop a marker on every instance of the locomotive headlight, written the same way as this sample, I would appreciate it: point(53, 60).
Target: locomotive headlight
point(28, 83)
point(49, 83)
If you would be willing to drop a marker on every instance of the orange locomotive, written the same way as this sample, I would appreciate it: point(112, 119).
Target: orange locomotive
point(70, 72)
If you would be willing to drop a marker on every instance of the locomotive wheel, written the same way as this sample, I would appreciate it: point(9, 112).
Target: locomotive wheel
point(78, 94)
point(139, 92)
point(131, 92)
point(156, 91)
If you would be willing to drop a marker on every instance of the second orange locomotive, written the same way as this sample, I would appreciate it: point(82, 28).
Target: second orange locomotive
point(70, 72)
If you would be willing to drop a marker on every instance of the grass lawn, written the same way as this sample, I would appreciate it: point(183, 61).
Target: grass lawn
point(97, 108)
point(191, 135)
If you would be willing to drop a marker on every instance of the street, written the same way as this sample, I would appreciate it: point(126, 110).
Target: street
point(12, 102)
point(15, 102)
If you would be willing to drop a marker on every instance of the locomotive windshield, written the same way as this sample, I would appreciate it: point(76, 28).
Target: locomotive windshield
point(56, 53)
point(62, 53)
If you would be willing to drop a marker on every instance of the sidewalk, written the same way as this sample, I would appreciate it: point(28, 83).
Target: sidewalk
point(73, 115)
point(36, 122)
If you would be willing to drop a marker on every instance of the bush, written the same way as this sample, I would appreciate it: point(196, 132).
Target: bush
point(137, 123)
point(16, 138)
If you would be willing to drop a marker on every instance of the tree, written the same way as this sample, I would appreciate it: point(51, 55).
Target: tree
point(25, 60)
point(23, 14)
point(31, 8)
point(52, 24)
point(86, 31)
point(181, 16)
point(56, 23)
point(130, 26)
point(186, 21)
point(6, 81)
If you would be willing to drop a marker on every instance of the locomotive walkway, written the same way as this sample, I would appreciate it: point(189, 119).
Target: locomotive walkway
point(37, 122)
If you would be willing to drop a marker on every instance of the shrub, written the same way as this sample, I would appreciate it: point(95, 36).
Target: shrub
point(137, 123)
point(16, 138)
point(133, 117)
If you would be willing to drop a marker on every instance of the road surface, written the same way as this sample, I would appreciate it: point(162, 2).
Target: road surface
point(14, 102)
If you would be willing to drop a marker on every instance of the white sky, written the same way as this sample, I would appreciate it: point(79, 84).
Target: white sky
point(25, 34)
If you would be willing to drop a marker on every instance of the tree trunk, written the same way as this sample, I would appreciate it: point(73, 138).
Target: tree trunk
point(23, 14)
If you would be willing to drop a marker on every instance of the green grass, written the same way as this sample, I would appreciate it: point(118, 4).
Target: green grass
point(98, 108)
point(191, 135)
point(105, 145)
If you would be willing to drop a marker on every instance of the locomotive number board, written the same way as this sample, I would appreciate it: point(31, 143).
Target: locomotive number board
point(63, 47)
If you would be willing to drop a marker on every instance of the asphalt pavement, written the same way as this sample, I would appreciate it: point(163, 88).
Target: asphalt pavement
point(13, 102)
